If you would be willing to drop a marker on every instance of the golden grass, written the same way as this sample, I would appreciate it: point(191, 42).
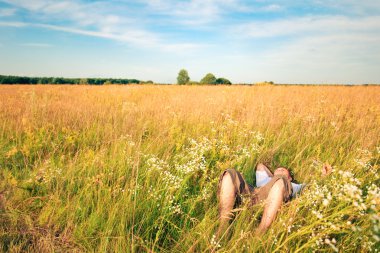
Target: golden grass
point(77, 163)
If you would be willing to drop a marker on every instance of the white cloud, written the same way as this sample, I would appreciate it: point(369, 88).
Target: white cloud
point(308, 25)
point(81, 14)
point(94, 19)
point(136, 37)
point(362, 7)
point(192, 12)
point(319, 49)
point(7, 12)
point(183, 47)
point(339, 58)
point(343, 7)
point(271, 7)
point(41, 45)
point(13, 24)
point(31, 5)
point(200, 12)
point(331, 48)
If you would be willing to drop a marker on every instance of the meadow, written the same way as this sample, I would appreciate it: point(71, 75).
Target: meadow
point(135, 168)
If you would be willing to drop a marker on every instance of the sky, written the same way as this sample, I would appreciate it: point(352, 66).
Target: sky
point(284, 41)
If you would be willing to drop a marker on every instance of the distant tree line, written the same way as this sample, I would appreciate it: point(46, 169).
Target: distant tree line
point(183, 78)
point(62, 80)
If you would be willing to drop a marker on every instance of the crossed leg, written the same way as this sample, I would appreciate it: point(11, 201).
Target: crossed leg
point(272, 205)
point(273, 201)
point(227, 198)
point(262, 167)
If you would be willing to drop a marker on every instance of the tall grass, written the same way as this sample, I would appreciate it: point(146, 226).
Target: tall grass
point(135, 168)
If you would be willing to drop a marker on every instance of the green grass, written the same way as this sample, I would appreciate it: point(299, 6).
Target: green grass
point(135, 169)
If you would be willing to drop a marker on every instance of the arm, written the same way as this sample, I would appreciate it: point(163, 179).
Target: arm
point(297, 188)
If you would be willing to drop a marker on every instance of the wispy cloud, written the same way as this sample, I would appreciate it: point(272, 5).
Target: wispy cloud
point(189, 12)
point(201, 12)
point(363, 7)
point(77, 12)
point(138, 38)
point(41, 45)
point(326, 59)
point(12, 24)
point(94, 19)
point(7, 12)
point(272, 7)
point(308, 25)
point(330, 49)
point(31, 5)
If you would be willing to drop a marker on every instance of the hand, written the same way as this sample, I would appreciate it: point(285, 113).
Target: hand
point(326, 169)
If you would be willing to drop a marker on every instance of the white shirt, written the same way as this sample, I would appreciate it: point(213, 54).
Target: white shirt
point(262, 178)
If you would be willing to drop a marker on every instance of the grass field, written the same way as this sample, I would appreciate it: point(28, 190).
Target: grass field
point(135, 168)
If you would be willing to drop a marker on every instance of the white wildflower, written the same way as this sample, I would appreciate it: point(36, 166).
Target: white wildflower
point(214, 242)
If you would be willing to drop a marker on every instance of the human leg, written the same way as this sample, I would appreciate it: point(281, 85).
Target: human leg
point(262, 167)
point(263, 175)
point(273, 204)
point(227, 197)
point(231, 187)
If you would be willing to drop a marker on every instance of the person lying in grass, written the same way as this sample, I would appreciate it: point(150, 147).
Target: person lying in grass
point(273, 188)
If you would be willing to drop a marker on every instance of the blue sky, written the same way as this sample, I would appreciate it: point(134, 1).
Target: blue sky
point(316, 41)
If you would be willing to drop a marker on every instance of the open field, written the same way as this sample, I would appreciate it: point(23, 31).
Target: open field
point(135, 168)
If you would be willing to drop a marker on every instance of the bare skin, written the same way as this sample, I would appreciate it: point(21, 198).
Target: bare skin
point(275, 198)
point(262, 167)
point(273, 202)
point(272, 205)
point(226, 203)
point(281, 171)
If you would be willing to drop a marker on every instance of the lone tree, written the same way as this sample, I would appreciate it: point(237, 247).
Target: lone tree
point(183, 77)
point(208, 79)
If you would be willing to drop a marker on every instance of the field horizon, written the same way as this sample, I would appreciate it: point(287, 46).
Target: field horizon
point(58, 80)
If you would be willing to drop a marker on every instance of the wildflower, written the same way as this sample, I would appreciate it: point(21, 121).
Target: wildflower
point(317, 214)
point(331, 244)
point(214, 242)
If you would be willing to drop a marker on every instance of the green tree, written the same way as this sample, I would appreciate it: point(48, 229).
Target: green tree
point(222, 80)
point(183, 77)
point(208, 79)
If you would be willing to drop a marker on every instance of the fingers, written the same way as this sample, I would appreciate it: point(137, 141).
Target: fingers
point(326, 169)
